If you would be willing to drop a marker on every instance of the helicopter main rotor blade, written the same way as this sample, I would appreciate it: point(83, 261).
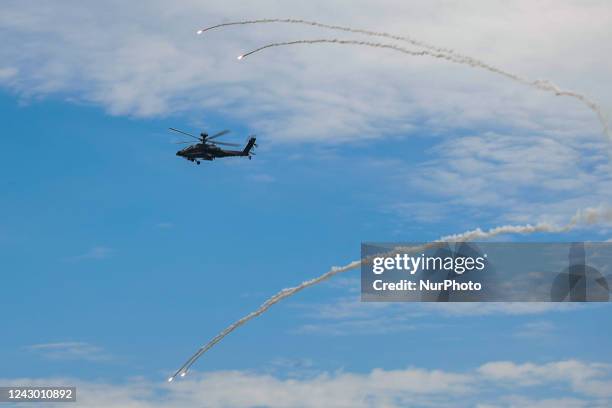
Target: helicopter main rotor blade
point(185, 133)
point(183, 142)
point(225, 143)
point(216, 135)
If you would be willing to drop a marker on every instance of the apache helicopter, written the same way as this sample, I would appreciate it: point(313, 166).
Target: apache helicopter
point(208, 149)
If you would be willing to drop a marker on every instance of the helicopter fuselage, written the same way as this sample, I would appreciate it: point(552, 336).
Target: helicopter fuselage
point(208, 151)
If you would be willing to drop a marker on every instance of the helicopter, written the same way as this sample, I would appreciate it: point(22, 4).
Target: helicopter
point(208, 149)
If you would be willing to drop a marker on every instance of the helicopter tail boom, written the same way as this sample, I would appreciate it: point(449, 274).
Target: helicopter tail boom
point(249, 146)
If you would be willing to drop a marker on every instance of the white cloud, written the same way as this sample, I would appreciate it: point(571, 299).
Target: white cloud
point(7, 73)
point(69, 351)
point(148, 61)
point(536, 330)
point(491, 178)
point(518, 401)
point(494, 384)
point(583, 378)
point(541, 157)
point(526, 177)
point(347, 315)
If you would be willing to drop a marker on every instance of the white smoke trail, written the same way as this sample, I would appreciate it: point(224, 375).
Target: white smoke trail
point(454, 56)
point(336, 28)
point(543, 85)
point(589, 216)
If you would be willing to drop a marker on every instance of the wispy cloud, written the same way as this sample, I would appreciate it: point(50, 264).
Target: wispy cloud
point(501, 148)
point(130, 66)
point(69, 351)
point(7, 73)
point(347, 315)
point(292, 367)
point(95, 253)
point(536, 330)
point(490, 178)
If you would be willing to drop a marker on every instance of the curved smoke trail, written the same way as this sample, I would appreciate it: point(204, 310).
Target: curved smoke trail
point(589, 216)
point(336, 28)
point(541, 84)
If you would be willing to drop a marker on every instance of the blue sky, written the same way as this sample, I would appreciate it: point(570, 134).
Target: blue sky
point(122, 259)
point(119, 259)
